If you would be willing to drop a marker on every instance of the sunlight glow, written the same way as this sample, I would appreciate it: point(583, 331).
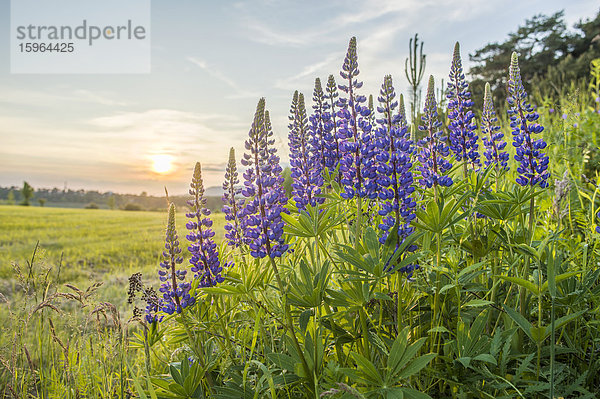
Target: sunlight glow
point(162, 164)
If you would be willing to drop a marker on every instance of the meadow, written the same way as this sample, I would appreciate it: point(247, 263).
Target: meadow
point(84, 245)
point(414, 259)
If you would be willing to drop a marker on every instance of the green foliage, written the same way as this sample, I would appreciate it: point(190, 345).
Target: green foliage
point(26, 193)
point(10, 199)
point(552, 57)
point(132, 207)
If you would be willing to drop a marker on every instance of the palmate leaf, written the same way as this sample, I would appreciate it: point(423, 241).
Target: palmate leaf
point(532, 287)
point(312, 222)
point(365, 371)
point(438, 217)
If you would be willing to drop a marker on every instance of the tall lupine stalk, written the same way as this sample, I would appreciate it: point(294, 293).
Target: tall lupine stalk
point(463, 139)
point(317, 124)
point(433, 150)
point(358, 171)
point(357, 163)
point(491, 134)
point(433, 167)
point(205, 258)
point(232, 202)
point(304, 157)
point(393, 171)
point(533, 163)
point(533, 168)
point(176, 291)
point(261, 216)
point(332, 138)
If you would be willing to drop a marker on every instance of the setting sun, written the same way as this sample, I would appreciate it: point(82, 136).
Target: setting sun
point(162, 163)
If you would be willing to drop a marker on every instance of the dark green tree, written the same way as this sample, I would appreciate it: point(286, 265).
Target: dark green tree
point(26, 193)
point(550, 55)
point(42, 201)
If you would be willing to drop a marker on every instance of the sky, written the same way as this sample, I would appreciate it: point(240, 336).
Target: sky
point(211, 61)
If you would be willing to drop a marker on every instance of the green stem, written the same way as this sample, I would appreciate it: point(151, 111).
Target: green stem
point(436, 298)
point(398, 311)
point(358, 222)
point(552, 343)
point(365, 333)
point(525, 275)
point(199, 352)
point(289, 320)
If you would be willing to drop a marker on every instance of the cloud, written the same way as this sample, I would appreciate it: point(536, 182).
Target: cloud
point(217, 74)
point(40, 98)
point(310, 72)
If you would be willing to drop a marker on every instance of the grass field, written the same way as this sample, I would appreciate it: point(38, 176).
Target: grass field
point(95, 245)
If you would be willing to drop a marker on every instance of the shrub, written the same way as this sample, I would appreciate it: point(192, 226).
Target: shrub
point(132, 207)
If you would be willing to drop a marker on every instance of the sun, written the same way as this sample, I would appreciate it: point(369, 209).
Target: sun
point(162, 164)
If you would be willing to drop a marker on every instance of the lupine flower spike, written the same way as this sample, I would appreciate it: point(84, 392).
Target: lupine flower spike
point(333, 140)
point(233, 202)
point(357, 166)
point(463, 139)
point(263, 188)
point(533, 168)
point(317, 124)
point(433, 149)
point(205, 258)
point(174, 289)
point(393, 171)
point(491, 134)
point(304, 159)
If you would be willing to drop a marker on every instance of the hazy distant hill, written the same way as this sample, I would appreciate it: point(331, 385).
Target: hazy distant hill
point(81, 198)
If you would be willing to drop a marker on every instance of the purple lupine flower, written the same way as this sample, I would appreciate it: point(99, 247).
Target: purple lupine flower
point(433, 164)
point(263, 188)
point(317, 124)
point(394, 170)
point(598, 227)
point(394, 163)
point(492, 136)
point(357, 166)
point(176, 291)
point(533, 168)
point(233, 203)
point(463, 139)
point(332, 139)
point(153, 305)
point(205, 258)
point(304, 158)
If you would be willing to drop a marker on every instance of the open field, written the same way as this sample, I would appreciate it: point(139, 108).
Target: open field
point(95, 245)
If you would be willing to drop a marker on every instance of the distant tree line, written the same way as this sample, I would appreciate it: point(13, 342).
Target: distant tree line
point(93, 199)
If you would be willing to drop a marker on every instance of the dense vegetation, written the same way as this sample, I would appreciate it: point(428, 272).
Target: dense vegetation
point(453, 257)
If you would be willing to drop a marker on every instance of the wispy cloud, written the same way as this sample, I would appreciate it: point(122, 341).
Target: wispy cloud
point(59, 95)
point(309, 72)
point(239, 92)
